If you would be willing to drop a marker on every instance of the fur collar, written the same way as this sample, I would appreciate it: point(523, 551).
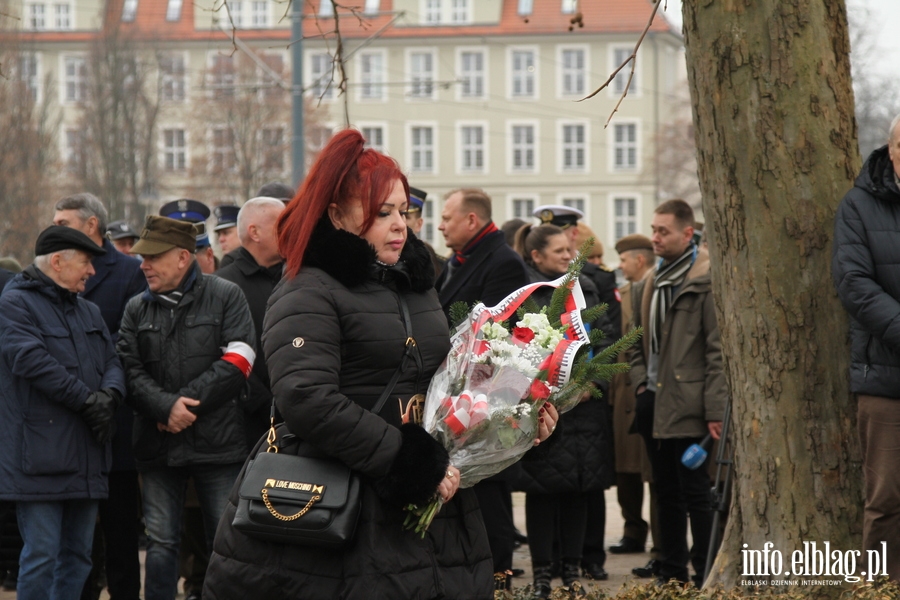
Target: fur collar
point(351, 260)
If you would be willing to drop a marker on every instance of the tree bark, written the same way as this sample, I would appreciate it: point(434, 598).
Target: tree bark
point(776, 139)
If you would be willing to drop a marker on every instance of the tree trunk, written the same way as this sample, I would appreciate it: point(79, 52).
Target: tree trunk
point(776, 139)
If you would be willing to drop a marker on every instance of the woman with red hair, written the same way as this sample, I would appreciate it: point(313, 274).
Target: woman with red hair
point(335, 332)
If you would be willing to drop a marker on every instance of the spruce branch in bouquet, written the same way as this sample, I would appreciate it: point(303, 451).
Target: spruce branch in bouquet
point(505, 363)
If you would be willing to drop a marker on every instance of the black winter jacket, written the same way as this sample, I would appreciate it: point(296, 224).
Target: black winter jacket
point(578, 457)
point(865, 266)
point(333, 338)
point(172, 353)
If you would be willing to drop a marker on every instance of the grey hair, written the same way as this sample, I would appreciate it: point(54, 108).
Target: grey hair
point(42, 262)
point(894, 124)
point(254, 205)
point(87, 205)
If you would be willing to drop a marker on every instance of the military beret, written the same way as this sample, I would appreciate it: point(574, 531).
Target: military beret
point(635, 241)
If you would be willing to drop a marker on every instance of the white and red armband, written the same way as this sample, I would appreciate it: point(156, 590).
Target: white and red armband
point(240, 355)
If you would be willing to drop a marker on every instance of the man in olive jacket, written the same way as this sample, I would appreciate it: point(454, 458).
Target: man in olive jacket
point(187, 348)
point(680, 388)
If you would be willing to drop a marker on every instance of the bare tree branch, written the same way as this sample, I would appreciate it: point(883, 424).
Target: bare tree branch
point(631, 59)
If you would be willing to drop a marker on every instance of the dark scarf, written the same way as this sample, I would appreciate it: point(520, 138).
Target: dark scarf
point(666, 279)
point(459, 258)
point(173, 298)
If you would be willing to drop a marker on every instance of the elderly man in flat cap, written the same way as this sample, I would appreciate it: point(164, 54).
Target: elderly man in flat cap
point(60, 384)
point(187, 348)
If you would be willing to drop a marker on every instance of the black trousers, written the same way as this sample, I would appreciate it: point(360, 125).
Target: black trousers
point(570, 510)
point(495, 499)
point(595, 530)
point(680, 492)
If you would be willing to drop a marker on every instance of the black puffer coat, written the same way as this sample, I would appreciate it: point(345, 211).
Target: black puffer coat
point(865, 267)
point(578, 457)
point(346, 311)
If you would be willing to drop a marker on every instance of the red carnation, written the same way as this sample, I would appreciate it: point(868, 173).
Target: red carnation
point(539, 390)
point(522, 334)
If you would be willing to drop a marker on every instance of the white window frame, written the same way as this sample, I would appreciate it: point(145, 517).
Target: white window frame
point(260, 14)
point(461, 148)
point(326, 9)
point(129, 11)
point(611, 212)
point(58, 16)
point(567, 7)
point(561, 145)
point(63, 89)
point(612, 145)
point(163, 148)
point(219, 88)
point(263, 145)
point(383, 126)
point(613, 91)
point(436, 13)
point(378, 80)
point(165, 78)
point(372, 7)
point(317, 82)
point(36, 16)
point(510, 205)
point(32, 83)
point(213, 149)
point(584, 197)
point(526, 7)
point(173, 10)
point(463, 75)
point(410, 96)
point(268, 86)
point(510, 89)
point(510, 155)
point(562, 71)
point(435, 145)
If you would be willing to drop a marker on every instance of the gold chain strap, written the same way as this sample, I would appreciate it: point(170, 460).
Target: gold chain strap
point(281, 517)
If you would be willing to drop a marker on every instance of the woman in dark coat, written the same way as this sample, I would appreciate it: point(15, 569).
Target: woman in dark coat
point(334, 335)
point(557, 476)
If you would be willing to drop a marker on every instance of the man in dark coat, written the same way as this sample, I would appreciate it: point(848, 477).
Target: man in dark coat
point(187, 348)
point(60, 383)
point(867, 277)
point(482, 269)
point(116, 280)
point(256, 269)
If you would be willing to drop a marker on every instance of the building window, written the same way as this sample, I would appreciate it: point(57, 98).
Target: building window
point(174, 150)
point(522, 208)
point(618, 85)
point(374, 137)
point(460, 12)
point(267, 83)
point(259, 14)
point(573, 147)
point(129, 10)
point(442, 12)
point(568, 6)
point(428, 221)
point(472, 74)
point(222, 150)
point(573, 70)
point(173, 10)
point(625, 147)
point(27, 75)
point(421, 74)
point(273, 148)
point(422, 145)
point(526, 7)
point(316, 139)
point(372, 75)
point(320, 75)
point(372, 7)
point(625, 216)
point(172, 71)
point(523, 69)
point(432, 12)
point(223, 77)
point(63, 17)
point(471, 144)
point(326, 8)
point(523, 147)
point(75, 78)
point(576, 203)
point(37, 17)
point(41, 16)
point(75, 155)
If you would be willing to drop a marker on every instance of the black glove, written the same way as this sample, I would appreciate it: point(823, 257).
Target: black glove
point(99, 411)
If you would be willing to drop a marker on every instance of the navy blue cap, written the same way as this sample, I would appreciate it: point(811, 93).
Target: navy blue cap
point(202, 236)
point(416, 198)
point(226, 215)
point(185, 209)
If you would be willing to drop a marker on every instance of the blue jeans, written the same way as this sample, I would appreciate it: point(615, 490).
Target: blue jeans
point(163, 495)
point(56, 557)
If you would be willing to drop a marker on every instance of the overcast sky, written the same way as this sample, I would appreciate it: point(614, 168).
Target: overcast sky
point(884, 23)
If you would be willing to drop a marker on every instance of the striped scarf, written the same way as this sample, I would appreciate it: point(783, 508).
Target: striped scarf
point(667, 277)
point(173, 299)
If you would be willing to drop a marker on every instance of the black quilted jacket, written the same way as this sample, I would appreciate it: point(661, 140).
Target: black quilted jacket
point(333, 337)
point(865, 266)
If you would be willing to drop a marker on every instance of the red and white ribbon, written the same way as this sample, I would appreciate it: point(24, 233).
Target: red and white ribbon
point(240, 355)
point(466, 411)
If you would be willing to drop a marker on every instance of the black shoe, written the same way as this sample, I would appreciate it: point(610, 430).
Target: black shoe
point(541, 581)
point(517, 572)
point(627, 545)
point(648, 570)
point(193, 596)
point(519, 538)
point(594, 571)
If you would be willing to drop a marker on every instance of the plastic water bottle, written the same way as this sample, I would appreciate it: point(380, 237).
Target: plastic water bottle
point(694, 456)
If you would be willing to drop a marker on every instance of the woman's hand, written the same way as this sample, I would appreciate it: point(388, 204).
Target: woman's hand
point(449, 484)
point(546, 422)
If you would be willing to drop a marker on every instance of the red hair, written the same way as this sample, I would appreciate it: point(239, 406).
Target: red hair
point(344, 172)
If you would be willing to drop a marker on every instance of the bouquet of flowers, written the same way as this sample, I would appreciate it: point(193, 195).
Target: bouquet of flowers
point(504, 363)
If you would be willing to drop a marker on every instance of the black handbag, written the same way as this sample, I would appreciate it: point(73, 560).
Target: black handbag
point(304, 500)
